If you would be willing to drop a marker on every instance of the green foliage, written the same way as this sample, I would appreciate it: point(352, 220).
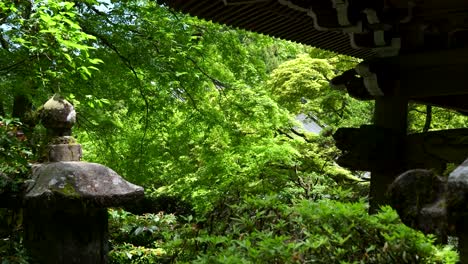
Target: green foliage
point(269, 230)
point(301, 85)
point(204, 114)
point(440, 119)
point(128, 253)
point(44, 48)
point(137, 239)
point(12, 251)
point(14, 155)
point(296, 79)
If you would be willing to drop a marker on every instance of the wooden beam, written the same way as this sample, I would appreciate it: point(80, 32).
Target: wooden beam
point(445, 80)
point(434, 149)
point(412, 76)
point(355, 87)
point(455, 102)
point(370, 148)
point(411, 85)
point(421, 60)
point(414, 83)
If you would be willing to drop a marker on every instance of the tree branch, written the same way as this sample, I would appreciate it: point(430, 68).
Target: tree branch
point(129, 65)
point(11, 67)
point(302, 135)
point(214, 80)
point(284, 134)
point(189, 96)
point(427, 124)
point(2, 109)
point(4, 43)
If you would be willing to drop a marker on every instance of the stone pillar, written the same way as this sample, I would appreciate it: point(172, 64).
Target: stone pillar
point(65, 216)
point(58, 235)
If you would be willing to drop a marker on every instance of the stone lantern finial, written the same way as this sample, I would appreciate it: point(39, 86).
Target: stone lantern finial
point(58, 116)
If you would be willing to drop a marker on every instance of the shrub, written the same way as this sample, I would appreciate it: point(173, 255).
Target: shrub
point(269, 230)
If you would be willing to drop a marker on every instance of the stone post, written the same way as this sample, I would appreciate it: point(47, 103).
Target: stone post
point(65, 216)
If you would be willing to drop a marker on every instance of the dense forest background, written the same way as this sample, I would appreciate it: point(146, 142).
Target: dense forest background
point(204, 117)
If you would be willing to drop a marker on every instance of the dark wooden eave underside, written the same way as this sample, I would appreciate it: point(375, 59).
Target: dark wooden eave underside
point(411, 49)
point(359, 28)
point(271, 18)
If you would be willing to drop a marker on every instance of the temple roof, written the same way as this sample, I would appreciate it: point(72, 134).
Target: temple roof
point(270, 18)
point(359, 28)
point(413, 49)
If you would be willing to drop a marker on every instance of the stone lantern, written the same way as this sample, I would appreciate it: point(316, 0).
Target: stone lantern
point(434, 204)
point(65, 216)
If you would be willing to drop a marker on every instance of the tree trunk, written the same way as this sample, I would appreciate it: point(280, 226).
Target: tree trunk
point(21, 106)
point(427, 124)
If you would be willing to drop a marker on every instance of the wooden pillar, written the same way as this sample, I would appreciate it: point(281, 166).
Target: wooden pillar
point(391, 113)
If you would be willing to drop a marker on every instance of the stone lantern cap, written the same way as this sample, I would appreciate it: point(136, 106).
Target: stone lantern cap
point(89, 183)
point(65, 180)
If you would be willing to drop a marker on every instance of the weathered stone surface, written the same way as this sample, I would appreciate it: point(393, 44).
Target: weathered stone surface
point(65, 200)
point(58, 113)
point(419, 198)
point(64, 152)
point(55, 236)
point(457, 207)
point(457, 197)
point(90, 183)
point(460, 174)
point(434, 204)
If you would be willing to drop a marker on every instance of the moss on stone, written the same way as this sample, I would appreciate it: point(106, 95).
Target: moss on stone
point(68, 189)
